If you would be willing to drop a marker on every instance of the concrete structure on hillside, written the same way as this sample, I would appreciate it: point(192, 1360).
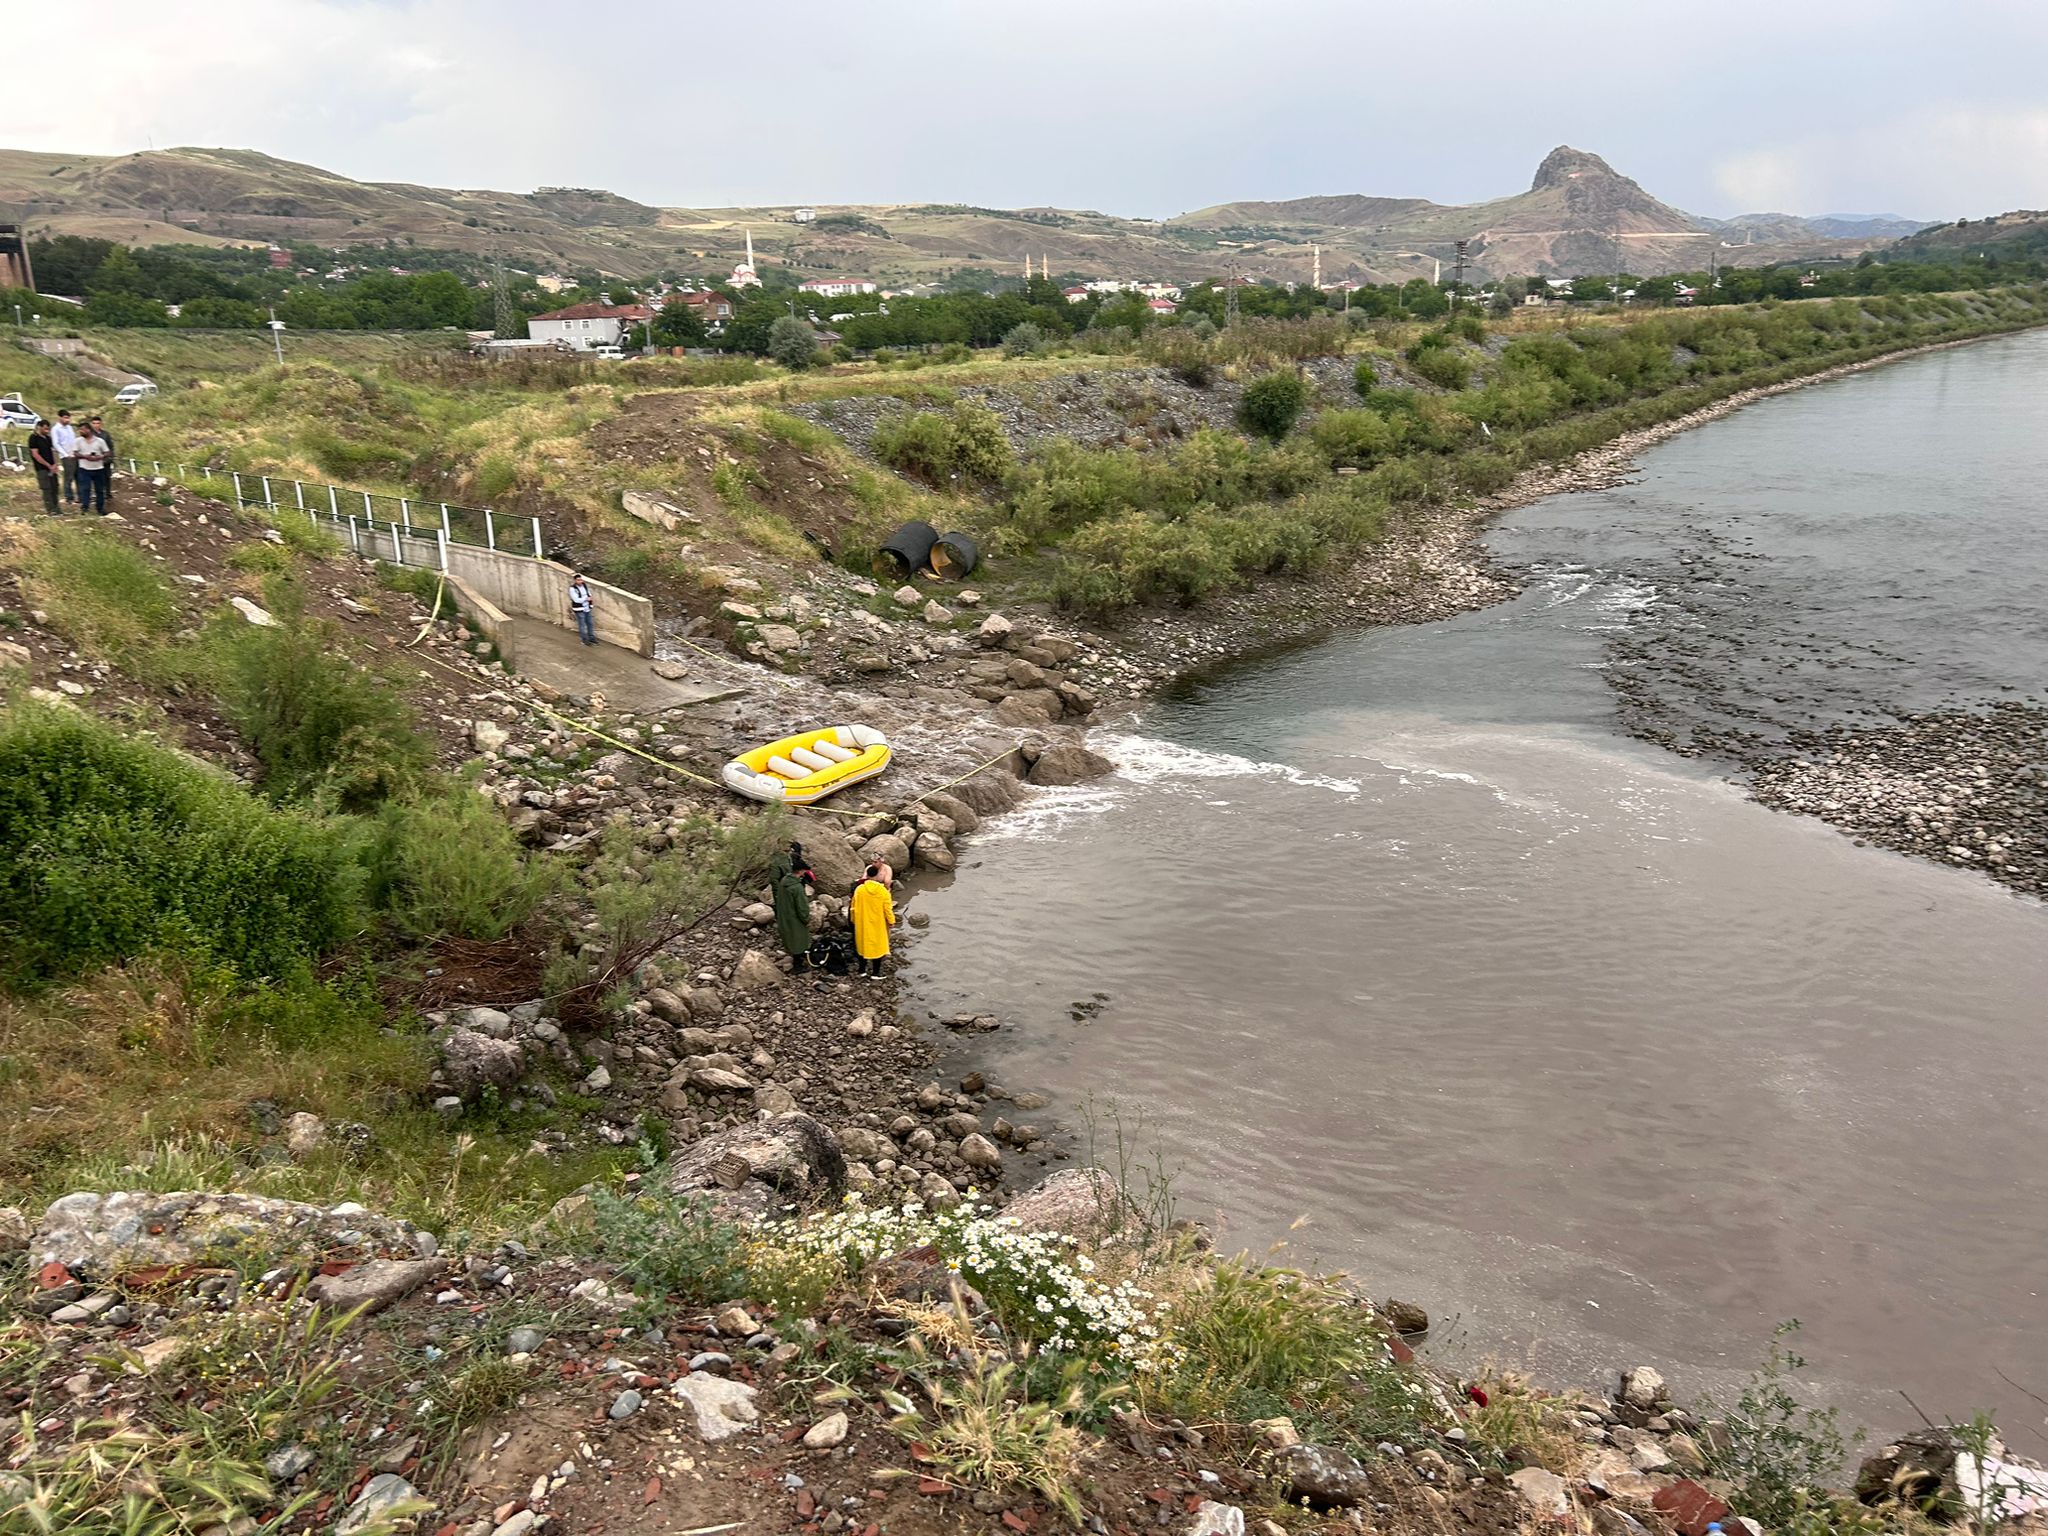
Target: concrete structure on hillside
point(584, 326)
point(837, 287)
point(804, 216)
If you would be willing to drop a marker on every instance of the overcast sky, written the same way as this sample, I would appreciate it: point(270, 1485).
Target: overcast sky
point(1928, 108)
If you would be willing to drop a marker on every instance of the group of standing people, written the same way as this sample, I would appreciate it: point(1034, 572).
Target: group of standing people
point(72, 463)
point(793, 883)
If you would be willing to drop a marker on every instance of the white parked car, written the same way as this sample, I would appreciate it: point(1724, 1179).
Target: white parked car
point(133, 394)
point(14, 412)
point(612, 354)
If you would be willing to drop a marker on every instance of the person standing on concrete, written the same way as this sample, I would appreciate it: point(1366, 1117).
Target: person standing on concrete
point(95, 458)
point(579, 604)
point(874, 913)
point(66, 436)
point(48, 464)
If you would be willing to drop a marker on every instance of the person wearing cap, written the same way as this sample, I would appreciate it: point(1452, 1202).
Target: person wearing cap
point(66, 437)
point(44, 458)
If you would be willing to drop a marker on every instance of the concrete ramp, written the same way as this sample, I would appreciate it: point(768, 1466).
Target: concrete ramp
point(559, 661)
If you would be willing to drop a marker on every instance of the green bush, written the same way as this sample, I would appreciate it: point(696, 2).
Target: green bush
point(446, 862)
point(112, 847)
point(1352, 437)
point(1444, 366)
point(321, 726)
point(967, 441)
point(792, 342)
point(1273, 402)
point(1023, 339)
point(1365, 378)
point(663, 1245)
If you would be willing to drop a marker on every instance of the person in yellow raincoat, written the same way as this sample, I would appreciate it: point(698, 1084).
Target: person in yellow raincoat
point(874, 911)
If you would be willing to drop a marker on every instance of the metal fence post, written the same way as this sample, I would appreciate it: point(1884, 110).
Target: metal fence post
point(268, 499)
point(134, 468)
point(155, 467)
point(238, 485)
point(536, 540)
point(444, 517)
point(206, 473)
point(355, 534)
point(405, 512)
point(299, 494)
point(441, 537)
point(369, 512)
point(490, 531)
point(397, 549)
point(333, 505)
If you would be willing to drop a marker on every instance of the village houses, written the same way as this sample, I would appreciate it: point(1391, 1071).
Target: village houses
point(584, 326)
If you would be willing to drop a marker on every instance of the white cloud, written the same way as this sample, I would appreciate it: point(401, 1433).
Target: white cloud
point(1942, 161)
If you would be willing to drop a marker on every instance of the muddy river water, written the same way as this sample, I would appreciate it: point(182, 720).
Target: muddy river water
point(1398, 949)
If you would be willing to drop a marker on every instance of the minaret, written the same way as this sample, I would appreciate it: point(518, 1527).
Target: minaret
point(1317, 281)
point(750, 249)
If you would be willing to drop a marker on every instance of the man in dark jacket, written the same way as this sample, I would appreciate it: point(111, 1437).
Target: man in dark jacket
point(790, 884)
point(48, 464)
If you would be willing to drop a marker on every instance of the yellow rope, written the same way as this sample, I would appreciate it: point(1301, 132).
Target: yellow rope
point(440, 587)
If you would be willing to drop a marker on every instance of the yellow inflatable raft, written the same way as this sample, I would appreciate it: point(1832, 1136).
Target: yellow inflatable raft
point(810, 765)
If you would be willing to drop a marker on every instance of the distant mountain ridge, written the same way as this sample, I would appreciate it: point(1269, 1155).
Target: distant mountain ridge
point(1578, 215)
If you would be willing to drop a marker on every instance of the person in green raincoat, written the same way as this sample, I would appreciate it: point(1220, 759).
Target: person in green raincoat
point(790, 882)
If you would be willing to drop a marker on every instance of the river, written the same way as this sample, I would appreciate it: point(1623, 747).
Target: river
point(1401, 951)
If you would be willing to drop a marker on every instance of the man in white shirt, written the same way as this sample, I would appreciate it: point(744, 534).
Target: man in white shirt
point(65, 436)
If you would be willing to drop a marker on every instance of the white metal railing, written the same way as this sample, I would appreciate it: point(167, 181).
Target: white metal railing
point(346, 511)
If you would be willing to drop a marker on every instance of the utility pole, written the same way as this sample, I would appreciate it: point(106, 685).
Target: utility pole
point(1458, 271)
point(277, 334)
point(1230, 297)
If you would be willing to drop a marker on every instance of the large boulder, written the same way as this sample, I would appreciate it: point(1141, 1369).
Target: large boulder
point(755, 971)
point(99, 1236)
point(1082, 1203)
point(963, 816)
point(758, 1169)
point(1030, 706)
point(1068, 762)
point(887, 848)
point(836, 861)
point(473, 1061)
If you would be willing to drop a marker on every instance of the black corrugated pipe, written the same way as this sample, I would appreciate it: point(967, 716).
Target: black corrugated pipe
point(954, 556)
point(909, 549)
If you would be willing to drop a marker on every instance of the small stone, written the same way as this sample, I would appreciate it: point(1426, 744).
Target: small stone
point(1547, 1493)
point(715, 1361)
point(625, 1405)
point(599, 1079)
point(979, 1153)
point(1214, 1519)
point(382, 1495)
point(936, 612)
point(723, 1408)
point(1405, 1316)
point(525, 1341)
point(304, 1134)
point(735, 1323)
point(287, 1462)
point(826, 1433)
point(908, 595)
point(1642, 1388)
point(448, 1107)
point(522, 1523)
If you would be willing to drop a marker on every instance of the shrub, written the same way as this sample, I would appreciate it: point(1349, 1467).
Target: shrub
point(967, 441)
point(1184, 352)
point(792, 342)
point(977, 1432)
point(665, 1245)
point(111, 847)
point(1272, 403)
point(1444, 366)
point(445, 862)
point(1352, 437)
point(1023, 339)
point(1365, 378)
point(320, 725)
point(1779, 1450)
point(1256, 1341)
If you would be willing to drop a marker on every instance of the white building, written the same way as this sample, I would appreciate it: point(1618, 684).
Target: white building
point(804, 215)
point(837, 287)
point(583, 326)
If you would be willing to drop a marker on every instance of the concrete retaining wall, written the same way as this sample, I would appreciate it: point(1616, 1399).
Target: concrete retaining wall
point(523, 588)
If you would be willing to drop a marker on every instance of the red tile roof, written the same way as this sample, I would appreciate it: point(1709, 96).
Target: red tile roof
point(596, 311)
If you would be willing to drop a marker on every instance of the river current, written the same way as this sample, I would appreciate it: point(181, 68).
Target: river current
point(1400, 951)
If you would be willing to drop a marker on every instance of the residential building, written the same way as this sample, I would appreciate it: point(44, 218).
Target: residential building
point(804, 216)
point(1074, 295)
point(551, 282)
point(584, 326)
point(1161, 306)
point(836, 287)
point(714, 309)
point(1160, 291)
